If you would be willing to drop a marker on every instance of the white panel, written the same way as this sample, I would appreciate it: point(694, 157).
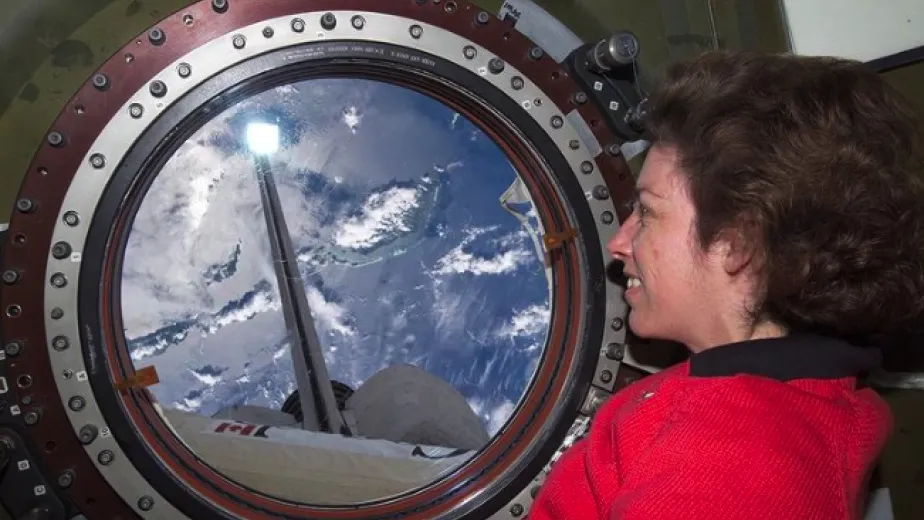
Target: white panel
point(858, 29)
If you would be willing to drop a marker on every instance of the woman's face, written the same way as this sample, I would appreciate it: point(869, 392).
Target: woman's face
point(676, 290)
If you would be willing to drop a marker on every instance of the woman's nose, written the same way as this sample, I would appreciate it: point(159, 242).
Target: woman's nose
point(620, 246)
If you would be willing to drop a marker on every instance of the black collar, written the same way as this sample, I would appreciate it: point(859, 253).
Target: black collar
point(799, 356)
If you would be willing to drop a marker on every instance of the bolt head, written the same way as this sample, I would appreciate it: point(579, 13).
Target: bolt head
point(607, 217)
point(219, 6)
point(557, 122)
point(71, 218)
point(31, 418)
point(158, 88)
point(66, 479)
point(105, 457)
point(470, 52)
point(10, 276)
point(58, 280)
point(136, 110)
point(358, 22)
point(77, 403)
point(536, 53)
point(60, 343)
point(298, 25)
point(601, 193)
point(606, 376)
point(57, 313)
point(88, 433)
point(517, 83)
point(587, 167)
point(100, 81)
point(97, 160)
point(13, 348)
point(328, 21)
point(496, 65)
point(145, 503)
point(516, 510)
point(157, 36)
point(615, 351)
point(416, 31)
point(184, 70)
point(268, 32)
point(239, 41)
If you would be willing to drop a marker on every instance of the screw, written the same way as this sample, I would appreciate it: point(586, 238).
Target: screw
point(60, 343)
point(219, 6)
point(57, 313)
point(496, 65)
point(105, 457)
point(607, 217)
point(56, 139)
point(574, 144)
point(358, 22)
point(613, 150)
point(615, 351)
point(617, 324)
point(88, 433)
point(158, 88)
point(482, 18)
point(58, 280)
point(601, 192)
point(98, 160)
point(13, 348)
point(67, 373)
point(136, 110)
point(268, 32)
point(10, 276)
point(25, 205)
point(587, 167)
point(101, 81)
point(516, 510)
point(239, 41)
point(298, 25)
point(66, 479)
point(328, 21)
point(145, 503)
point(31, 418)
point(71, 218)
point(536, 53)
point(557, 122)
point(61, 250)
point(606, 376)
point(469, 52)
point(580, 98)
point(416, 31)
point(184, 70)
point(157, 36)
point(77, 403)
point(517, 83)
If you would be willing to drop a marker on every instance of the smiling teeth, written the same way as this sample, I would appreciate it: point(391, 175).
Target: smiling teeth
point(633, 282)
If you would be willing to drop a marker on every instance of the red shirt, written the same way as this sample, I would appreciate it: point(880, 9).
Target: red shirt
point(733, 434)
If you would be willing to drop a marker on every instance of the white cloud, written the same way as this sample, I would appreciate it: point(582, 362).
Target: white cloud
point(382, 215)
point(352, 118)
point(530, 321)
point(206, 379)
point(459, 261)
point(495, 416)
point(332, 316)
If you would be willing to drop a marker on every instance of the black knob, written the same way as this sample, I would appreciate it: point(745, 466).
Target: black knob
point(618, 50)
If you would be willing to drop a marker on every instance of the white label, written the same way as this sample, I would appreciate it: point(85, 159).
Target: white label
point(82, 375)
point(76, 257)
point(105, 433)
point(39, 490)
point(2, 355)
point(3, 387)
point(14, 410)
point(23, 465)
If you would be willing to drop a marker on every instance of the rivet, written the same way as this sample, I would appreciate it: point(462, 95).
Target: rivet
point(268, 32)
point(358, 22)
point(607, 217)
point(606, 376)
point(239, 41)
point(298, 25)
point(617, 324)
point(517, 83)
point(58, 280)
point(482, 18)
point(580, 98)
point(219, 6)
point(145, 503)
point(158, 88)
point(601, 192)
point(76, 403)
point(100, 81)
point(557, 122)
point(60, 343)
point(71, 218)
point(57, 313)
point(614, 150)
point(184, 70)
point(416, 31)
point(328, 21)
point(157, 36)
point(13, 348)
point(105, 457)
point(496, 65)
point(98, 160)
point(516, 510)
point(469, 52)
point(66, 478)
point(587, 167)
point(25, 205)
point(31, 418)
point(536, 53)
point(10, 276)
point(88, 433)
point(56, 139)
point(615, 351)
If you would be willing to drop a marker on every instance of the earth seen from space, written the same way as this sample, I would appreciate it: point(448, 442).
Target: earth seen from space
point(408, 256)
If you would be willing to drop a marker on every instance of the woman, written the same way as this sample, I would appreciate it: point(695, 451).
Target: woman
point(778, 233)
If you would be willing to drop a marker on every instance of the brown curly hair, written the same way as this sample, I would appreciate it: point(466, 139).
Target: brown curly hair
point(818, 162)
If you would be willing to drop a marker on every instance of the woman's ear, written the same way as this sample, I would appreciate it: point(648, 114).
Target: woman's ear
point(738, 246)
